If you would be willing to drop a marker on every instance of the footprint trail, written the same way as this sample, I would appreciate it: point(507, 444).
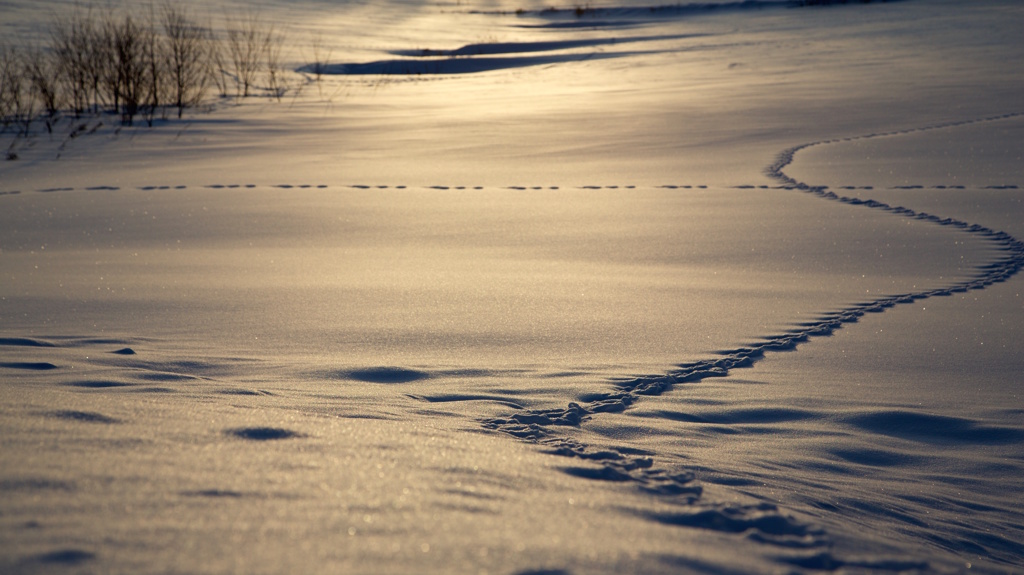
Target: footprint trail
point(764, 523)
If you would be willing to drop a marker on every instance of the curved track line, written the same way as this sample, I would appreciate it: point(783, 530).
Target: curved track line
point(538, 424)
point(543, 426)
point(785, 157)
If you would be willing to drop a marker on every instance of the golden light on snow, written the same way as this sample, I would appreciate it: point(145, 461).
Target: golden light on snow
point(491, 288)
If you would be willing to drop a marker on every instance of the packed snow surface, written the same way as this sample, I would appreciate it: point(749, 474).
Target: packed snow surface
point(500, 287)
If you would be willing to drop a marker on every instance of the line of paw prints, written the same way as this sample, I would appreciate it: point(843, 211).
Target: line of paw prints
point(518, 188)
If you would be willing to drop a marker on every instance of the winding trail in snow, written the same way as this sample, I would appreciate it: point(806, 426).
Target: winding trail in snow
point(762, 522)
point(537, 425)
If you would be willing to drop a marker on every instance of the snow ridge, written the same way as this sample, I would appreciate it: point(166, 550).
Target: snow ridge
point(678, 9)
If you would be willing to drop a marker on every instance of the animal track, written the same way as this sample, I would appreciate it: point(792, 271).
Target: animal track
point(786, 185)
point(766, 524)
point(534, 425)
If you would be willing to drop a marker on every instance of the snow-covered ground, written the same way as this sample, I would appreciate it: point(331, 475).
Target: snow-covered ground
point(725, 287)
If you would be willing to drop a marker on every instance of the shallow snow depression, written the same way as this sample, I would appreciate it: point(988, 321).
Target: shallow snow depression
point(729, 287)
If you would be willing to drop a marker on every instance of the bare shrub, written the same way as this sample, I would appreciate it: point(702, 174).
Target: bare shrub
point(155, 57)
point(320, 60)
point(217, 67)
point(247, 39)
point(275, 72)
point(79, 61)
point(130, 66)
point(10, 86)
point(134, 66)
point(17, 103)
point(40, 69)
point(189, 52)
point(97, 60)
